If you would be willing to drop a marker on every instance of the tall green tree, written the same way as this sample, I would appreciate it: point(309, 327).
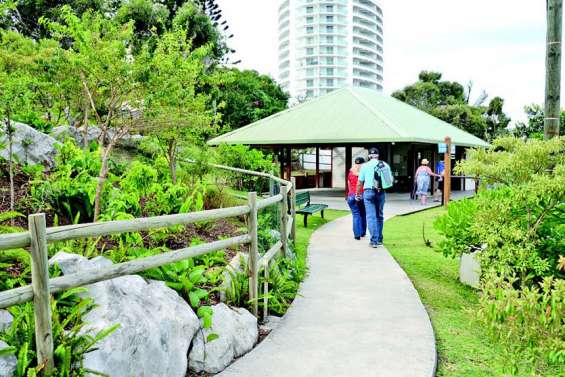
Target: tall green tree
point(100, 62)
point(15, 96)
point(247, 96)
point(534, 126)
point(447, 100)
point(176, 113)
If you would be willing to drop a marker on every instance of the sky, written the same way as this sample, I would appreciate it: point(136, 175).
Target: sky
point(499, 45)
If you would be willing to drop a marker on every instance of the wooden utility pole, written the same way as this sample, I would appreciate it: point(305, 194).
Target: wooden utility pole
point(447, 172)
point(553, 69)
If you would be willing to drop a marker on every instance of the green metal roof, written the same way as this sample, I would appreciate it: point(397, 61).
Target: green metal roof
point(349, 116)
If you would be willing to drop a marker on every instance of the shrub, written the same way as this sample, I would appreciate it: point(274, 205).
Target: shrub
point(71, 186)
point(528, 322)
point(243, 157)
point(518, 222)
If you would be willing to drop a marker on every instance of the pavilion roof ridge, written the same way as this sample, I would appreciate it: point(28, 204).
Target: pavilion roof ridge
point(387, 122)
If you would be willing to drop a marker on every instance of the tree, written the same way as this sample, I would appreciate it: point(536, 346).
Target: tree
point(534, 127)
point(151, 18)
point(247, 96)
point(430, 92)
point(24, 16)
point(447, 100)
point(176, 113)
point(15, 96)
point(99, 61)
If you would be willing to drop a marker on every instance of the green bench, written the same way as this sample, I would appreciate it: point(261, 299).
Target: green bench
point(305, 208)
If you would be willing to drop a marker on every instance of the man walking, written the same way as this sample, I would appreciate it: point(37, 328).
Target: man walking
point(374, 178)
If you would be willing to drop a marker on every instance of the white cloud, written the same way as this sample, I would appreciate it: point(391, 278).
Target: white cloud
point(499, 45)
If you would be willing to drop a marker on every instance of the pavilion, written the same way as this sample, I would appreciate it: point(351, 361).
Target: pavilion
point(347, 121)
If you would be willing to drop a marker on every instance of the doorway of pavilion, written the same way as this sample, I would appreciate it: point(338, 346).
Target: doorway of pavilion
point(312, 167)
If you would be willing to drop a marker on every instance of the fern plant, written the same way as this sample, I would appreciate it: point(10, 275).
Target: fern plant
point(71, 342)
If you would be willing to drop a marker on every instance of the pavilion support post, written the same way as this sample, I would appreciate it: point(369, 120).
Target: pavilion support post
point(281, 162)
point(447, 173)
point(348, 162)
point(318, 167)
point(288, 164)
point(331, 168)
point(434, 170)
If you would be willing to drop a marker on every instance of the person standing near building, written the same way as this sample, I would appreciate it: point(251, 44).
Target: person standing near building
point(356, 204)
point(422, 179)
point(374, 178)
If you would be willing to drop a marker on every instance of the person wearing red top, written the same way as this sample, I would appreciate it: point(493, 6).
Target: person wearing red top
point(357, 206)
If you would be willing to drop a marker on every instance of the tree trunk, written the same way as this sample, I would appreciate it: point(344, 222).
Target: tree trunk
point(172, 152)
point(10, 135)
point(85, 128)
point(101, 179)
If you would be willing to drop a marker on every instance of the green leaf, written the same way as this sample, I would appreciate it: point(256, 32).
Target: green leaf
point(211, 337)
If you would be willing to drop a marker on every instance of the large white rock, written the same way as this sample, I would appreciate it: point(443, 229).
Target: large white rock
point(156, 324)
point(6, 320)
point(238, 333)
point(29, 146)
point(92, 134)
point(7, 363)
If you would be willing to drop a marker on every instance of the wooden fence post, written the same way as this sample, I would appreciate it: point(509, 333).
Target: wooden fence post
point(284, 220)
point(41, 295)
point(293, 209)
point(266, 291)
point(253, 252)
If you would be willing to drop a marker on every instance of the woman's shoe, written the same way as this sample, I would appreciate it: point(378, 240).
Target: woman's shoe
point(358, 238)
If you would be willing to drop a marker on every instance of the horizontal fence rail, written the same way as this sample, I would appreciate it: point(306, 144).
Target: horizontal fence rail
point(85, 277)
point(78, 231)
point(39, 236)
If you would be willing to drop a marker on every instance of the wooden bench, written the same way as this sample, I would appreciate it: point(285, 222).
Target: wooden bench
point(305, 208)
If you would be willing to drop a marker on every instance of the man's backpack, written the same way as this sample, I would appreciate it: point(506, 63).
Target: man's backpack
point(383, 176)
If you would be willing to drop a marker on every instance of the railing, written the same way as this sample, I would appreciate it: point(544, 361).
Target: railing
point(39, 236)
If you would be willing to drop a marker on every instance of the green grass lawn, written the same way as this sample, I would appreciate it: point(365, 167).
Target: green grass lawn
point(463, 347)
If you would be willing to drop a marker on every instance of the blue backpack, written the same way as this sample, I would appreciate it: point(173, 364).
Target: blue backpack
point(383, 176)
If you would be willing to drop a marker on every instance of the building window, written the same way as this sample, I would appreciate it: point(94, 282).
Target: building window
point(329, 39)
point(309, 20)
point(309, 30)
point(310, 40)
point(329, 8)
point(330, 29)
point(329, 19)
point(310, 83)
point(310, 72)
point(330, 82)
point(309, 93)
point(329, 50)
point(309, 9)
point(329, 71)
point(309, 51)
point(311, 61)
point(329, 61)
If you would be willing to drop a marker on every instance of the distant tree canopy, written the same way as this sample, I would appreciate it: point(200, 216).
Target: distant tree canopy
point(448, 101)
point(246, 97)
point(150, 17)
point(533, 128)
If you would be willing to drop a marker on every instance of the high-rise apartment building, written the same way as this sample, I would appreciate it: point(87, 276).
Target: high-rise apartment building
point(329, 44)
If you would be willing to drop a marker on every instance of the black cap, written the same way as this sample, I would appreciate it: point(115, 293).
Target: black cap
point(374, 150)
point(359, 160)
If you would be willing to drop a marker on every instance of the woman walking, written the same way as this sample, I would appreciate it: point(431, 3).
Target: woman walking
point(356, 205)
point(422, 179)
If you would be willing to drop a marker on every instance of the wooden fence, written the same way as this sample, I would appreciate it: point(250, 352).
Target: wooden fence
point(39, 236)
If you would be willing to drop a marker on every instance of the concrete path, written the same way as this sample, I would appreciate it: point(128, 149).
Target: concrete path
point(358, 315)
